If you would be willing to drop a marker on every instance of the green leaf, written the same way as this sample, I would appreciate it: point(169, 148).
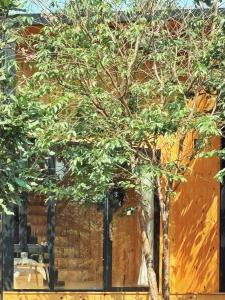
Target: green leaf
point(23, 184)
point(11, 187)
point(4, 208)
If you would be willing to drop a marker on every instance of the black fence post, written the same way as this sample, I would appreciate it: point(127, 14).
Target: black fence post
point(51, 230)
point(51, 244)
point(107, 246)
point(23, 223)
point(8, 251)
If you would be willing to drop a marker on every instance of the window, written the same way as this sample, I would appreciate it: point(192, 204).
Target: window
point(78, 246)
point(68, 246)
point(30, 265)
point(126, 245)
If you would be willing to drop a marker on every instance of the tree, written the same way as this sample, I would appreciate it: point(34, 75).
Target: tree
point(127, 86)
point(21, 119)
point(12, 131)
point(7, 5)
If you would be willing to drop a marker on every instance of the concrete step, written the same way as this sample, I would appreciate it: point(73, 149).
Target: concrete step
point(40, 230)
point(88, 284)
point(73, 263)
point(74, 275)
point(37, 210)
point(67, 241)
point(60, 231)
point(67, 252)
point(37, 220)
point(35, 200)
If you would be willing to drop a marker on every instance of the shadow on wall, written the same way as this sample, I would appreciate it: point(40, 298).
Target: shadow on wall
point(194, 230)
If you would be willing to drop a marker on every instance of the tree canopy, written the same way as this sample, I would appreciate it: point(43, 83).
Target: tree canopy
point(20, 120)
point(128, 89)
point(106, 72)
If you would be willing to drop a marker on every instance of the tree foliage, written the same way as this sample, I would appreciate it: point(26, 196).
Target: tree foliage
point(125, 91)
point(106, 71)
point(6, 5)
point(21, 120)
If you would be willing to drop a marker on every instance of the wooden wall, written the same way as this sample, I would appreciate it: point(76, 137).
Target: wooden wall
point(194, 231)
point(195, 218)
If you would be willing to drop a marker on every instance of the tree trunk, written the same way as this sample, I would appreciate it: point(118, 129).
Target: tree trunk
point(164, 203)
point(165, 257)
point(147, 251)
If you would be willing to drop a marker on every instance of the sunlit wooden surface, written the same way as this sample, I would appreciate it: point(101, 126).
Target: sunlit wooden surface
point(103, 296)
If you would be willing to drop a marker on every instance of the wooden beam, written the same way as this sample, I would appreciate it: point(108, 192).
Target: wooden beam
point(102, 296)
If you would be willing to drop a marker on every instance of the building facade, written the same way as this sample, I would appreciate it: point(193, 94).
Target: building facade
point(62, 250)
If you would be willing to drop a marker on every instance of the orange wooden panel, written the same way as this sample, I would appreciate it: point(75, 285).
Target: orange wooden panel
point(194, 229)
